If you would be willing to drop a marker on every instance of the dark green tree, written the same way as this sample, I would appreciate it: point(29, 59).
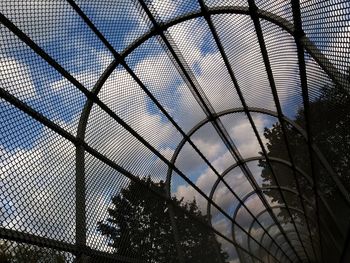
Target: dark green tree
point(330, 127)
point(139, 226)
point(11, 252)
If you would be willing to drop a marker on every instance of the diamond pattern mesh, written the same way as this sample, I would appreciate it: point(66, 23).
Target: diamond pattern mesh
point(174, 131)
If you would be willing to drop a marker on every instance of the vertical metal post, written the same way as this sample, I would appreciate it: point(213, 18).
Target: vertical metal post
point(171, 213)
point(80, 225)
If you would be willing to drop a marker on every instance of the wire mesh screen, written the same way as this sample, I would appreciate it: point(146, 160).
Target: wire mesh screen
point(174, 131)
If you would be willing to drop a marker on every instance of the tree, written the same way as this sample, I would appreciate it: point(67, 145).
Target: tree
point(139, 226)
point(330, 126)
point(11, 252)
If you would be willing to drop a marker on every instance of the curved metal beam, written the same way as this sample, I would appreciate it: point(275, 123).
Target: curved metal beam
point(127, 127)
point(283, 207)
point(254, 218)
point(283, 23)
point(114, 64)
point(297, 128)
point(338, 246)
point(306, 241)
point(284, 242)
point(195, 88)
point(319, 57)
point(279, 234)
point(243, 200)
point(154, 100)
point(226, 112)
point(223, 113)
point(83, 120)
point(268, 229)
point(288, 164)
point(168, 181)
point(275, 207)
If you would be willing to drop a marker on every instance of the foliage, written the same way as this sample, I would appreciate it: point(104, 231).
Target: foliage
point(330, 125)
point(139, 226)
point(11, 252)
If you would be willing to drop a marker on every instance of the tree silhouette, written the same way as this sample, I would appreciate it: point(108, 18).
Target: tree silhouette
point(139, 226)
point(330, 126)
point(11, 252)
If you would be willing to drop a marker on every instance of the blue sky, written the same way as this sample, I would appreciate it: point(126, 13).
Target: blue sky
point(73, 45)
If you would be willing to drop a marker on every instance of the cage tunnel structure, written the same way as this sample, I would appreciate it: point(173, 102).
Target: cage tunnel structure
point(175, 131)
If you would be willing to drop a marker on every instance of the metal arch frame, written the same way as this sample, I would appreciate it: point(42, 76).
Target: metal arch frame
point(200, 96)
point(272, 225)
point(277, 236)
point(329, 233)
point(288, 232)
point(279, 247)
point(241, 110)
point(269, 247)
point(255, 219)
point(274, 207)
point(278, 160)
point(109, 70)
point(283, 206)
point(283, 23)
point(34, 114)
point(96, 90)
point(205, 104)
point(289, 165)
point(263, 236)
point(287, 144)
point(81, 249)
point(294, 125)
point(269, 227)
point(92, 97)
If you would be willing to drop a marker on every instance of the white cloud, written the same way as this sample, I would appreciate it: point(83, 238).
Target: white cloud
point(60, 32)
point(211, 149)
point(205, 182)
point(216, 83)
point(16, 78)
point(149, 70)
point(36, 17)
point(87, 77)
point(165, 9)
point(38, 186)
point(123, 95)
point(188, 43)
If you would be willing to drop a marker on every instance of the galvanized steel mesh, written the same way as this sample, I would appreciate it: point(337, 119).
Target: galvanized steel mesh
point(242, 106)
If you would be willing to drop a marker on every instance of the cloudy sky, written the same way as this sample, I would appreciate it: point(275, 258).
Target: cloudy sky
point(38, 166)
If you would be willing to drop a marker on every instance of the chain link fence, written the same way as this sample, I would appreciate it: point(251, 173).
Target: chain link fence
point(174, 131)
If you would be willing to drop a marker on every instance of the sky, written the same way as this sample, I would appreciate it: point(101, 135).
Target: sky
point(38, 166)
